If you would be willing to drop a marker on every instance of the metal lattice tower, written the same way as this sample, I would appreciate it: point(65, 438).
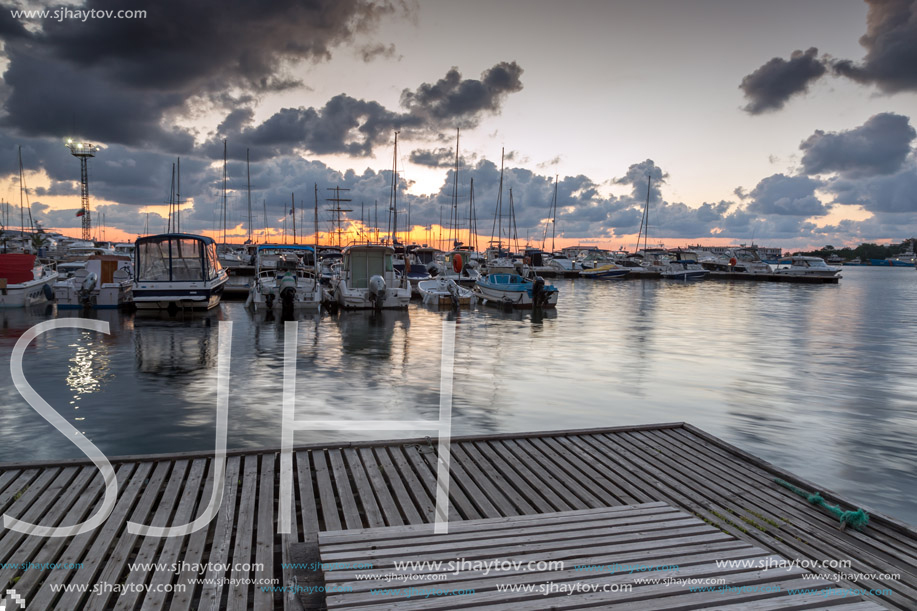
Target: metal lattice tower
point(83, 151)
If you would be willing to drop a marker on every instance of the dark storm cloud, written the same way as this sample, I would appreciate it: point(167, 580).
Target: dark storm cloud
point(121, 81)
point(454, 101)
point(879, 146)
point(891, 47)
point(783, 195)
point(353, 127)
point(343, 125)
point(433, 158)
point(770, 86)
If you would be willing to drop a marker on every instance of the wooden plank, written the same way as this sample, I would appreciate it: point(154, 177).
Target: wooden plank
point(459, 503)
point(597, 473)
point(264, 543)
point(108, 557)
point(100, 539)
point(329, 505)
point(409, 490)
point(530, 485)
point(364, 489)
point(704, 485)
point(305, 554)
point(212, 591)
point(150, 545)
point(22, 505)
point(392, 516)
point(345, 492)
point(571, 474)
point(155, 599)
point(635, 487)
point(51, 549)
point(25, 547)
point(237, 599)
point(887, 543)
point(483, 491)
point(496, 527)
point(577, 496)
point(523, 497)
point(194, 552)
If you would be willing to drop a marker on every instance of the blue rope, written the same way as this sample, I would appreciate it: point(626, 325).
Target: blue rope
point(858, 519)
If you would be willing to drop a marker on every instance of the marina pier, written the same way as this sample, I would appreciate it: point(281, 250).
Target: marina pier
point(666, 494)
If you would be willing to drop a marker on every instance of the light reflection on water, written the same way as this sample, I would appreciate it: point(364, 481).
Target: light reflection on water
point(817, 379)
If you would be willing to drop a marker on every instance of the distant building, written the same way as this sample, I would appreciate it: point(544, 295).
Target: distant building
point(765, 252)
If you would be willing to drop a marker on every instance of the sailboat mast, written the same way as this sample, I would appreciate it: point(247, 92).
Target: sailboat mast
point(395, 194)
point(248, 173)
point(21, 212)
point(554, 214)
point(293, 214)
point(178, 200)
point(315, 254)
point(646, 229)
point(453, 215)
point(224, 191)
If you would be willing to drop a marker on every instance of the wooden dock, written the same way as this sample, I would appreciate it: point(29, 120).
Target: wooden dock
point(372, 485)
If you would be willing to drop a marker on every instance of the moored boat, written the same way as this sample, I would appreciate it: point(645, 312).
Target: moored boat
point(176, 271)
point(445, 291)
point(513, 290)
point(367, 279)
point(24, 281)
point(806, 266)
point(284, 279)
point(105, 282)
point(609, 271)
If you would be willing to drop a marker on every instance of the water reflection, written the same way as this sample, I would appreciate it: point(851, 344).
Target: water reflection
point(816, 379)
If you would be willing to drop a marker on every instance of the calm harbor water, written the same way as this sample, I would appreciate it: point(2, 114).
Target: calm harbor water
point(817, 379)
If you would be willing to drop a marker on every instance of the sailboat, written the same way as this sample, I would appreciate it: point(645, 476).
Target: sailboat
point(501, 285)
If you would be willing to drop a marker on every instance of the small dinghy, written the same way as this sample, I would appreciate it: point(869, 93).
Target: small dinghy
point(445, 292)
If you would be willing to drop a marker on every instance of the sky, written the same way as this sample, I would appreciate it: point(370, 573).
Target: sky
point(787, 123)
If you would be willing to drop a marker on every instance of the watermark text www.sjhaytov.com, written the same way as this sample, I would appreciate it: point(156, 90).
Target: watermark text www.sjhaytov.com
point(65, 13)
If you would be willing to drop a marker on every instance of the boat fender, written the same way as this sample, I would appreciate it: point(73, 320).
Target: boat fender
point(527, 260)
point(457, 264)
point(732, 262)
point(49, 294)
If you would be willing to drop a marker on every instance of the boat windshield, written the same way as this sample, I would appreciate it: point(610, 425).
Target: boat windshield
point(175, 260)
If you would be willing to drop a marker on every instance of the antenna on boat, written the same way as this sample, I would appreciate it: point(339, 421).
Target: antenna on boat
point(293, 214)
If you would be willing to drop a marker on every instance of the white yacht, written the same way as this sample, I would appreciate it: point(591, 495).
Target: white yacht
point(799, 265)
point(367, 279)
point(177, 270)
point(445, 291)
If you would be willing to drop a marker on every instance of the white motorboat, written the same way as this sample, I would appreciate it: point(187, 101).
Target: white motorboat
point(105, 282)
point(445, 292)
point(683, 265)
point(367, 279)
point(23, 281)
point(284, 278)
point(799, 265)
point(176, 271)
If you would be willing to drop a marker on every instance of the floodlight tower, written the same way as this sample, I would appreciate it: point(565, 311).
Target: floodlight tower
point(83, 151)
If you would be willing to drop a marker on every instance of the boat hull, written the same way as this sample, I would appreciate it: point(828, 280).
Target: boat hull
point(28, 293)
point(180, 295)
point(511, 294)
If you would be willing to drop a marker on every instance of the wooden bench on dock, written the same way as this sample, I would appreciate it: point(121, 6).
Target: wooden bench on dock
point(686, 474)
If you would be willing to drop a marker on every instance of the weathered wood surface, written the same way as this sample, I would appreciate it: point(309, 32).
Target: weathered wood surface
point(614, 557)
point(392, 484)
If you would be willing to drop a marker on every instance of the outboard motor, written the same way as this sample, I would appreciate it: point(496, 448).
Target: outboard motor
point(377, 291)
point(453, 293)
point(287, 290)
point(539, 295)
point(87, 283)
